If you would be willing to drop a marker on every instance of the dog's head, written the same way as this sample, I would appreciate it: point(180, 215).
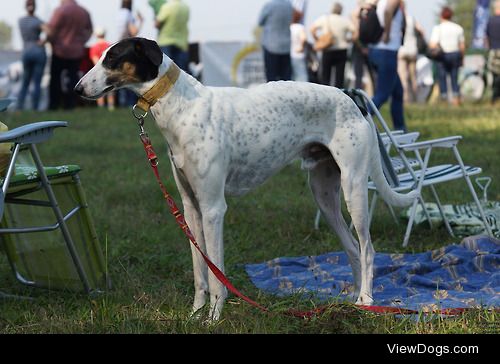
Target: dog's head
point(130, 62)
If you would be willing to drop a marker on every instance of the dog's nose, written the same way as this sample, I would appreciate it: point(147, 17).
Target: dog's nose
point(79, 89)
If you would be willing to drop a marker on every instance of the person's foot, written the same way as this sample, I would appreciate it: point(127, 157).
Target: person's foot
point(456, 101)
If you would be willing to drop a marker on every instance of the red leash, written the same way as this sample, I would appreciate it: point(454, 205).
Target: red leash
point(179, 218)
point(181, 221)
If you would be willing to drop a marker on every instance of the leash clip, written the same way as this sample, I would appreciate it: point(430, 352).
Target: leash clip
point(140, 117)
point(150, 153)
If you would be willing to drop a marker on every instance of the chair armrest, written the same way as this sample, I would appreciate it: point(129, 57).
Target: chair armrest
point(31, 133)
point(447, 142)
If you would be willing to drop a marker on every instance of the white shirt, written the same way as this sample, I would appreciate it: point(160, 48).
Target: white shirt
point(341, 28)
point(298, 33)
point(409, 47)
point(448, 35)
point(125, 17)
point(396, 35)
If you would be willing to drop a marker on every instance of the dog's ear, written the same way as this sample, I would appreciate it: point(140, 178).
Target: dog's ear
point(150, 49)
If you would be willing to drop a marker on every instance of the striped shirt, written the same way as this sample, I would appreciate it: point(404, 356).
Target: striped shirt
point(31, 28)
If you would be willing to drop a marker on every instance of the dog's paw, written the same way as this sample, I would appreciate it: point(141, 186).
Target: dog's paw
point(364, 300)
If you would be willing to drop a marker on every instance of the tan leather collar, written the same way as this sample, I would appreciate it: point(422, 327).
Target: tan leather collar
point(160, 89)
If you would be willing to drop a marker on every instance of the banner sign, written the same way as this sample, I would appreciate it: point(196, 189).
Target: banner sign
point(236, 64)
point(481, 16)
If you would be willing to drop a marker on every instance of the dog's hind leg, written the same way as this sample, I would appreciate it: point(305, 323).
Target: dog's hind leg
point(324, 180)
point(354, 185)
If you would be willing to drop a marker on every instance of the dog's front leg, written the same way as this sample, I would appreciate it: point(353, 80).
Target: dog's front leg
point(213, 222)
point(194, 221)
point(200, 269)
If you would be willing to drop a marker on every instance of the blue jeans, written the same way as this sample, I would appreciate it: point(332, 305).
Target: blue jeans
point(388, 84)
point(180, 57)
point(450, 64)
point(299, 69)
point(34, 60)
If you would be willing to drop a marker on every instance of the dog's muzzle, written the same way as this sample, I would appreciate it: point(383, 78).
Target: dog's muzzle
point(79, 89)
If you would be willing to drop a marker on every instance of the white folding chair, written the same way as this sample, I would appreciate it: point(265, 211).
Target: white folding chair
point(418, 173)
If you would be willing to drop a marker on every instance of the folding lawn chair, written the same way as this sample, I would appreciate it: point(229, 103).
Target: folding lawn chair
point(417, 173)
point(405, 173)
point(46, 230)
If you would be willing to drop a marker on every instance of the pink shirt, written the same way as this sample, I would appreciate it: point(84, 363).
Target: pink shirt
point(70, 28)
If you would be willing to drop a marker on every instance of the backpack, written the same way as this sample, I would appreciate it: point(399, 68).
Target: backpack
point(370, 29)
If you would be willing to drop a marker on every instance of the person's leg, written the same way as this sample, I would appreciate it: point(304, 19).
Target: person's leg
point(183, 60)
point(299, 69)
point(55, 91)
point(496, 88)
point(386, 75)
point(442, 75)
point(412, 70)
point(403, 75)
point(455, 61)
point(271, 66)
point(72, 66)
point(388, 84)
point(397, 102)
point(339, 59)
point(27, 74)
point(358, 66)
point(326, 68)
point(38, 70)
point(111, 101)
point(285, 67)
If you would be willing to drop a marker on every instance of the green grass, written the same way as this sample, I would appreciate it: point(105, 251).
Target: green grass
point(150, 261)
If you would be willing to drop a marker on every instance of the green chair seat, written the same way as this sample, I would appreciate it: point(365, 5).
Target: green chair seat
point(28, 174)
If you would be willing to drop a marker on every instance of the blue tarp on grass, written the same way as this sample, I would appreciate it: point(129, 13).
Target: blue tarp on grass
point(455, 276)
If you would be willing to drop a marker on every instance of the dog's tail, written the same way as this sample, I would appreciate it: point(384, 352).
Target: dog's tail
point(377, 174)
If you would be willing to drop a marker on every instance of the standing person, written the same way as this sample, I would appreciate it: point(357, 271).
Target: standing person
point(384, 59)
point(34, 57)
point(297, 51)
point(359, 53)
point(173, 38)
point(275, 19)
point(68, 30)
point(407, 57)
point(448, 36)
point(96, 52)
point(336, 55)
point(128, 27)
point(156, 5)
point(493, 43)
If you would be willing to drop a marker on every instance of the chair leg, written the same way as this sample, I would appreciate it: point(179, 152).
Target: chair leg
point(316, 220)
point(441, 211)
point(472, 191)
point(372, 208)
point(15, 297)
point(60, 219)
point(479, 206)
point(413, 211)
point(393, 214)
point(426, 213)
